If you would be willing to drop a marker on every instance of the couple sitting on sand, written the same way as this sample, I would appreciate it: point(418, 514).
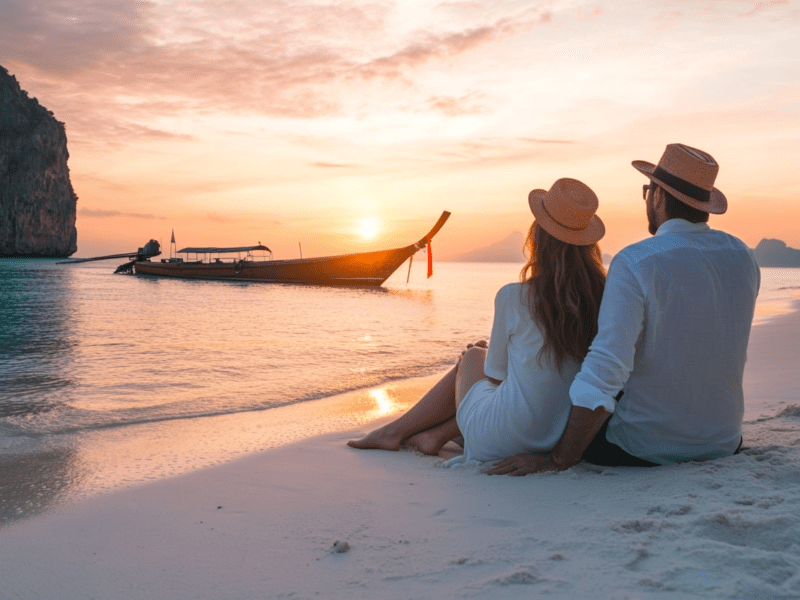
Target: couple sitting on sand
point(641, 367)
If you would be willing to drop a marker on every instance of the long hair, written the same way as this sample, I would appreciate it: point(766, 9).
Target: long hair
point(565, 285)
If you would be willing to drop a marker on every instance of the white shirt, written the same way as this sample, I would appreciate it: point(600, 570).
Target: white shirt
point(672, 334)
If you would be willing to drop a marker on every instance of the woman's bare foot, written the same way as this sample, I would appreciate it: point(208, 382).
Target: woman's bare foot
point(427, 442)
point(380, 439)
point(430, 441)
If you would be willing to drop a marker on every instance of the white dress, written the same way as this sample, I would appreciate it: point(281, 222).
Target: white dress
point(529, 410)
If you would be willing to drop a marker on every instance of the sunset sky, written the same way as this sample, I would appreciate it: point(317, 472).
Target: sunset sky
point(284, 122)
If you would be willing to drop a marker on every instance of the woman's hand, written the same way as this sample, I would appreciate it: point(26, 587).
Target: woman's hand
point(523, 464)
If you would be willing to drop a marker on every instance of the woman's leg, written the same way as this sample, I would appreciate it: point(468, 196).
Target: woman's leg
point(436, 407)
point(470, 372)
point(431, 423)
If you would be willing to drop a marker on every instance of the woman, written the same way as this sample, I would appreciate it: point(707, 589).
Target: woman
point(514, 396)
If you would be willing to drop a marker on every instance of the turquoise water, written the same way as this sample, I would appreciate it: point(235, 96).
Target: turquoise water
point(109, 380)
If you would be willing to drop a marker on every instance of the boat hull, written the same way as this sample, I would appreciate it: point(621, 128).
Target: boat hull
point(361, 269)
point(364, 269)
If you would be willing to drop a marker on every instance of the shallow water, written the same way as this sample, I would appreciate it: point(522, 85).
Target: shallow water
point(109, 380)
point(84, 349)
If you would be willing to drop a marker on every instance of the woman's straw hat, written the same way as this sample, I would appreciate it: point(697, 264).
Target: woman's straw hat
point(688, 174)
point(567, 212)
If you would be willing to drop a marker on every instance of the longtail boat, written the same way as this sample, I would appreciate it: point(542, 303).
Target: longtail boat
point(361, 269)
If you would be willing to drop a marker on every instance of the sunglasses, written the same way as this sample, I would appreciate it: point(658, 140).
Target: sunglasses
point(647, 187)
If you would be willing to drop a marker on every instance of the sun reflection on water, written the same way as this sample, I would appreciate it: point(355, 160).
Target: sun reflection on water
point(384, 403)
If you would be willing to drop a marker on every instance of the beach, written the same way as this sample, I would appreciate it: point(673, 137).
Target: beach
point(212, 281)
point(318, 519)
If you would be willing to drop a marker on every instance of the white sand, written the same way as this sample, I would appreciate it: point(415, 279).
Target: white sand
point(265, 526)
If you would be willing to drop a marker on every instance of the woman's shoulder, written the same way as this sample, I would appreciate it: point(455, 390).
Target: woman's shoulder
point(510, 290)
point(512, 293)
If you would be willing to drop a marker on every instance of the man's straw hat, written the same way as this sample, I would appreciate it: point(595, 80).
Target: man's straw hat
point(688, 174)
point(567, 212)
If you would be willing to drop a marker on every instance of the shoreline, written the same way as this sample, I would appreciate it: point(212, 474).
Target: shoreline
point(316, 518)
point(110, 461)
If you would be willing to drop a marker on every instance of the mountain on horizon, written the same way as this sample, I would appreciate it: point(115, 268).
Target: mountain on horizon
point(509, 249)
point(768, 252)
point(775, 253)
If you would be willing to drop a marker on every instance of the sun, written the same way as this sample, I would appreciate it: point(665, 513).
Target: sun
point(368, 228)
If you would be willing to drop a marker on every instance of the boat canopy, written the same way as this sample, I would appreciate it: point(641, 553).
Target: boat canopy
point(222, 250)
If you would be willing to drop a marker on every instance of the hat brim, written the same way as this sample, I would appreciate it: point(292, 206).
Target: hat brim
point(592, 234)
point(716, 205)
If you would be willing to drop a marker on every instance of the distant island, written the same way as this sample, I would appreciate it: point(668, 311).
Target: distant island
point(775, 253)
point(37, 202)
point(509, 249)
point(769, 252)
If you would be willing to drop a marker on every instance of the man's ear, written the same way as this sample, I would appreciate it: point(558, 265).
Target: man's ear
point(658, 198)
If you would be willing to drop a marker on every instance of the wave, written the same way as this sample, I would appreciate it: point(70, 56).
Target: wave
point(36, 421)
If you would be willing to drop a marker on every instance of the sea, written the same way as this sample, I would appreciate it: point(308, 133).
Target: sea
point(108, 381)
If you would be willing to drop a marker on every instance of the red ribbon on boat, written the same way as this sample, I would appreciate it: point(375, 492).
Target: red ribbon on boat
point(430, 259)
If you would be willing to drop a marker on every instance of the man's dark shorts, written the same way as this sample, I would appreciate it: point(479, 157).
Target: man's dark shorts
point(602, 452)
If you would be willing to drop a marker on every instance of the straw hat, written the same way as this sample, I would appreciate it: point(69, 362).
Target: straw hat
point(567, 212)
point(688, 174)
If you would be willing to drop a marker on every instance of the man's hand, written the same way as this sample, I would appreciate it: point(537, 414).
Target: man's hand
point(524, 464)
point(582, 426)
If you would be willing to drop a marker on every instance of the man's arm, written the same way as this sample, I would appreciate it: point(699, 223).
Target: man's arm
point(582, 427)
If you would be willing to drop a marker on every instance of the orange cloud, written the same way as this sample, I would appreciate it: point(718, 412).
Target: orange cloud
point(277, 58)
point(472, 103)
point(329, 165)
point(105, 214)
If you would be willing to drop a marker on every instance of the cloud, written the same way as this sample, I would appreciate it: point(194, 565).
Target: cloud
point(68, 36)
point(421, 52)
point(218, 218)
point(107, 214)
point(540, 141)
point(135, 130)
point(765, 5)
point(282, 59)
point(472, 103)
point(499, 150)
point(329, 165)
point(117, 131)
point(250, 219)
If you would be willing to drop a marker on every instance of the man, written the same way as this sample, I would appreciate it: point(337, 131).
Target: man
point(662, 382)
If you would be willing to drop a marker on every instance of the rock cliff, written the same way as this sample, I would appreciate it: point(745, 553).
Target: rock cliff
point(37, 202)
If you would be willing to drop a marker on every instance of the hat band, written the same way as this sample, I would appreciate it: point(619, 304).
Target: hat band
point(559, 223)
point(683, 186)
